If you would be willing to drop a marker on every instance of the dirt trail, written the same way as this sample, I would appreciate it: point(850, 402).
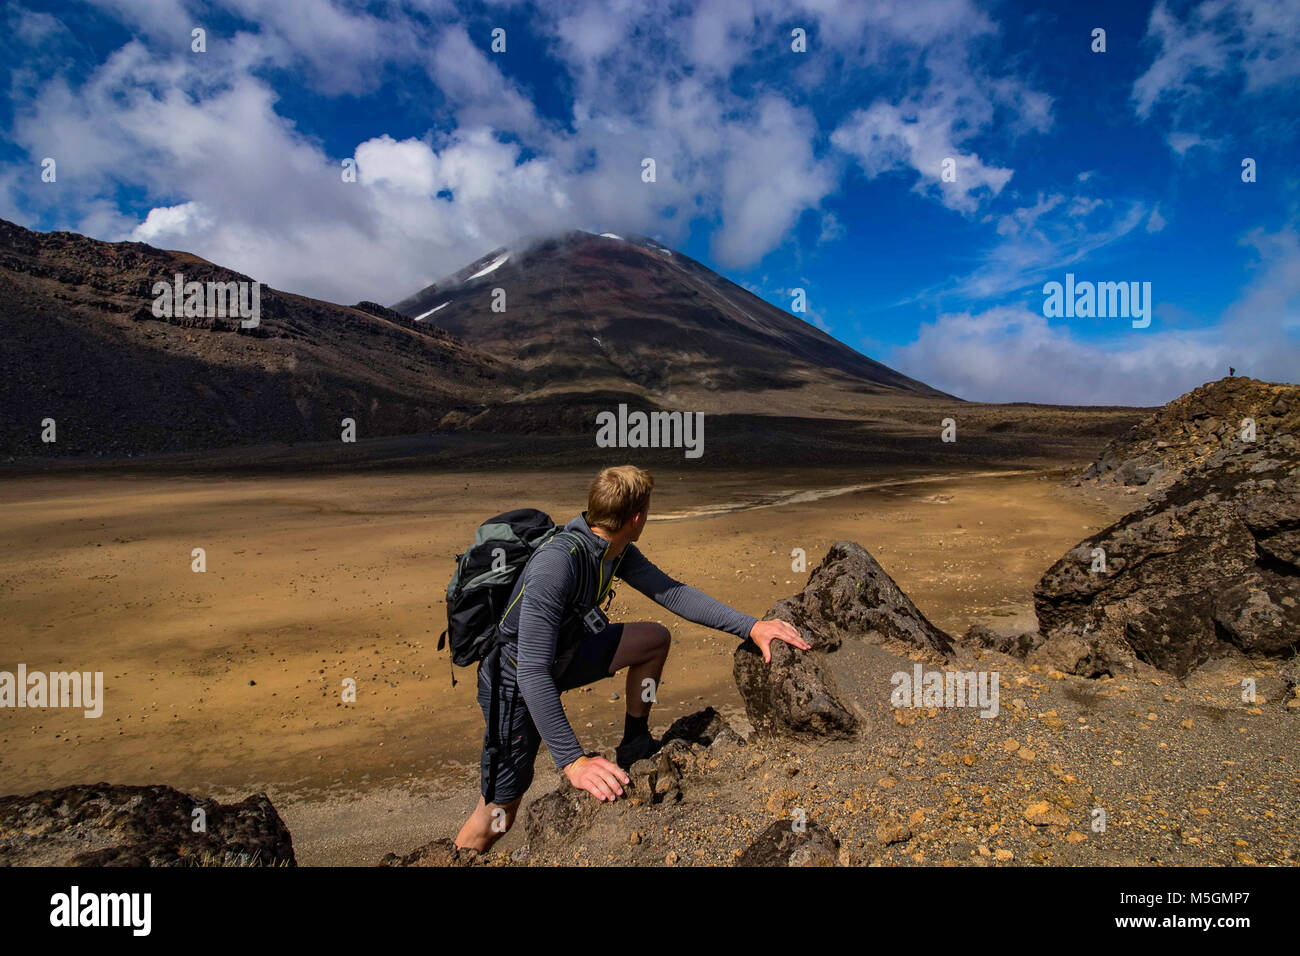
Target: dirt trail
point(797, 497)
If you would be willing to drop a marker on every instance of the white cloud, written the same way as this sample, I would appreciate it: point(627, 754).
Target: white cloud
point(1182, 143)
point(166, 224)
point(479, 93)
point(831, 229)
point(32, 27)
point(234, 180)
point(954, 100)
point(1217, 50)
point(1014, 354)
point(1188, 52)
point(770, 177)
point(885, 137)
point(1026, 217)
point(1049, 236)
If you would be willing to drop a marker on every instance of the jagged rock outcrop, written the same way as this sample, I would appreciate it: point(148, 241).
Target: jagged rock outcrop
point(848, 598)
point(1187, 431)
point(796, 694)
point(781, 845)
point(106, 825)
point(1210, 566)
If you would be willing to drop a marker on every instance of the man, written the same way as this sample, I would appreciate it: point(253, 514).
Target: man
point(553, 638)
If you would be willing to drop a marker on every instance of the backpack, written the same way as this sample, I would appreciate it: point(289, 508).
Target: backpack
point(485, 577)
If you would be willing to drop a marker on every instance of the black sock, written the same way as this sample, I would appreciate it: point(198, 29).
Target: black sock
point(634, 727)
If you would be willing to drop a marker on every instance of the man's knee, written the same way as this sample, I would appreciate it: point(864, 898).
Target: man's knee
point(644, 642)
point(661, 638)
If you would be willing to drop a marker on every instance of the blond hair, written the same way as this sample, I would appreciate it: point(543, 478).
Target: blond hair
point(616, 494)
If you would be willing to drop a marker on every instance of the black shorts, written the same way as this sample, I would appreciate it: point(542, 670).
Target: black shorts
point(518, 738)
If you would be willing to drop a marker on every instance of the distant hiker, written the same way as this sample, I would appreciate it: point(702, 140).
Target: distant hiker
point(554, 637)
point(1231, 371)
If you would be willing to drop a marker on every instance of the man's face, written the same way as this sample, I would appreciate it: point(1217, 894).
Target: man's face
point(638, 522)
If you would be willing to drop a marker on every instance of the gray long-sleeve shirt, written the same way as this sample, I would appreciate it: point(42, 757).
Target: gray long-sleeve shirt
point(547, 594)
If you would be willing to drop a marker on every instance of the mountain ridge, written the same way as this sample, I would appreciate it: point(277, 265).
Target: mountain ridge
point(84, 348)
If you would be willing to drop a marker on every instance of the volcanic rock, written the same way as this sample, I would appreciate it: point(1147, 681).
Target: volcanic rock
point(781, 845)
point(705, 727)
point(565, 818)
point(1209, 567)
point(1017, 645)
point(1188, 430)
point(848, 598)
point(106, 825)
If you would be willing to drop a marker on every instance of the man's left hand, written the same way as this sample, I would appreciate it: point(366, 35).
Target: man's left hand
point(763, 633)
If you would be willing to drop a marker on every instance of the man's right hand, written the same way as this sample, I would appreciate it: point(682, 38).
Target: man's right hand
point(600, 778)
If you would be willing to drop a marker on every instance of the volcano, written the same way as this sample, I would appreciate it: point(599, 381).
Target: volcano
point(581, 312)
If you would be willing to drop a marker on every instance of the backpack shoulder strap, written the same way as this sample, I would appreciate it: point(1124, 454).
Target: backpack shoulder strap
point(579, 551)
point(575, 548)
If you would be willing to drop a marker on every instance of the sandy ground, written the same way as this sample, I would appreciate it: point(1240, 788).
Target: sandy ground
point(230, 681)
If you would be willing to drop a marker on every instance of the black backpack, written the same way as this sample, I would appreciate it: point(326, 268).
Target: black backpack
point(485, 577)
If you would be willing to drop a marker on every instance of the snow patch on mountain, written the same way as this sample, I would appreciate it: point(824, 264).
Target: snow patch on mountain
point(492, 266)
point(421, 318)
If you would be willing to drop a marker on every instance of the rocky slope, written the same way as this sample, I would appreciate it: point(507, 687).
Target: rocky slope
point(83, 347)
point(106, 825)
point(1149, 719)
point(1211, 565)
point(1131, 770)
point(834, 766)
point(1191, 428)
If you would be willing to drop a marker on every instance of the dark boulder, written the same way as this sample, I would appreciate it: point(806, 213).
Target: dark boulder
point(782, 845)
point(796, 694)
point(106, 825)
point(704, 727)
point(848, 598)
point(1209, 567)
point(1016, 645)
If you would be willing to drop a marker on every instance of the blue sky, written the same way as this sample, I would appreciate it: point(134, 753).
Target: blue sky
point(817, 170)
